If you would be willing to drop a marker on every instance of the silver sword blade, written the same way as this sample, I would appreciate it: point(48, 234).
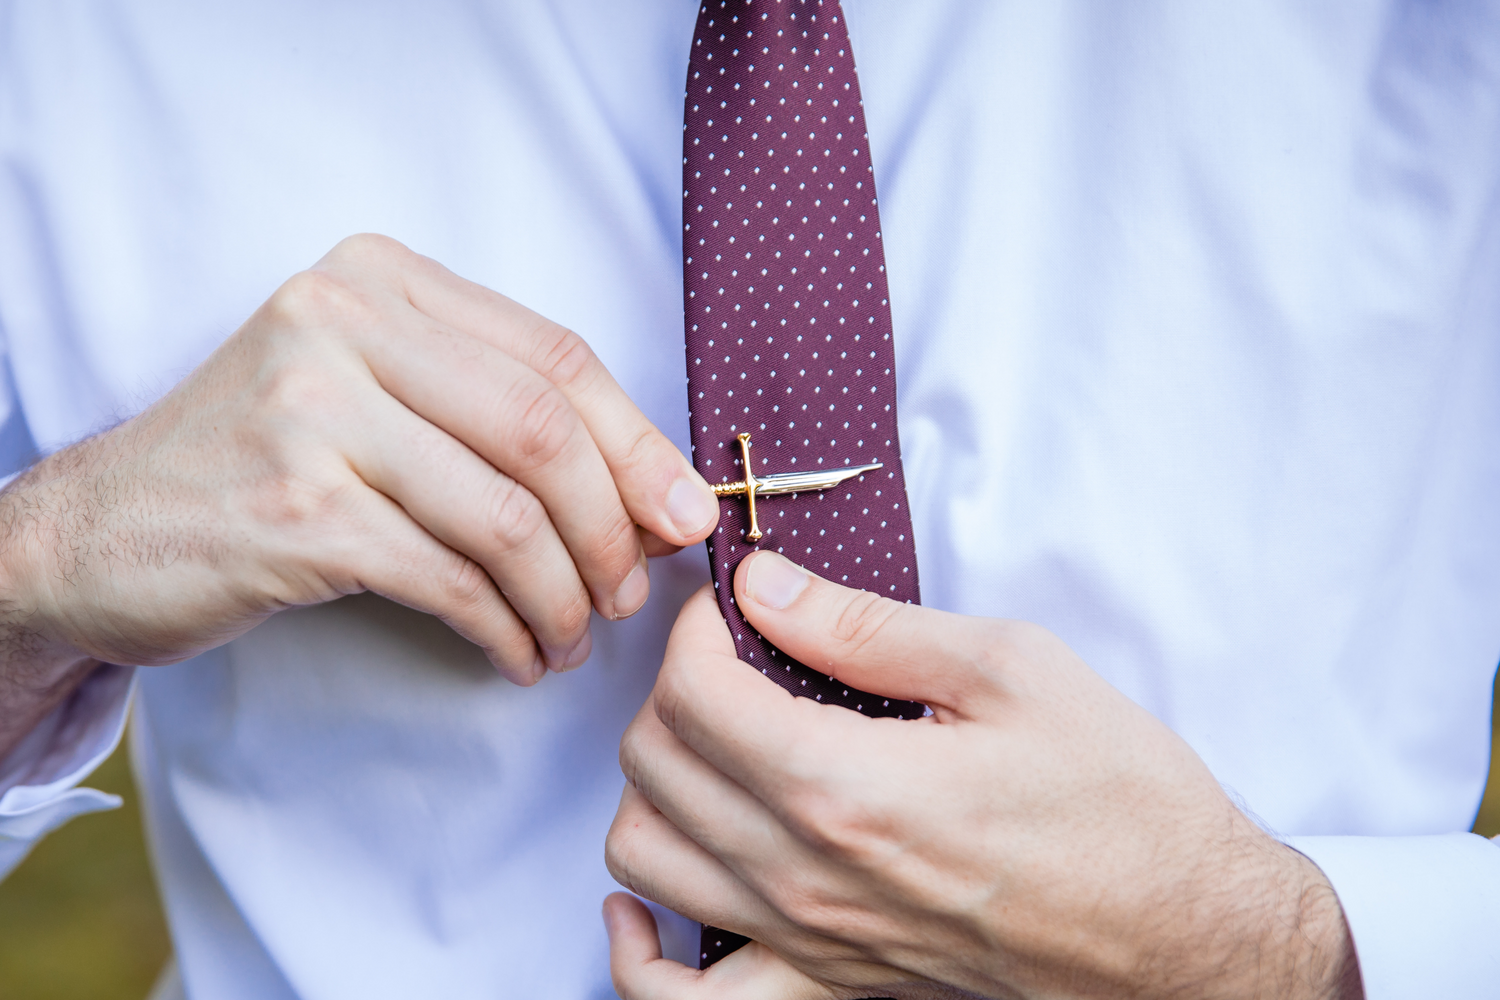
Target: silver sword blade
point(816, 479)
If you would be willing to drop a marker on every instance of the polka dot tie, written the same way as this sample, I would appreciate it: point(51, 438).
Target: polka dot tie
point(788, 319)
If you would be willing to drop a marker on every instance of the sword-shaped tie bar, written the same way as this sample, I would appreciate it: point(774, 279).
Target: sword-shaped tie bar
point(783, 482)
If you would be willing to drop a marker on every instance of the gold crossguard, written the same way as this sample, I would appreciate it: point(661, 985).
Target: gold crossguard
point(783, 482)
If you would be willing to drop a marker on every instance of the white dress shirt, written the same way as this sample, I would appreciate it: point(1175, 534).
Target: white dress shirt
point(1198, 336)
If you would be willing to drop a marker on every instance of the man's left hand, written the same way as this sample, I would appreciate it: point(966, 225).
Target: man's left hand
point(1038, 834)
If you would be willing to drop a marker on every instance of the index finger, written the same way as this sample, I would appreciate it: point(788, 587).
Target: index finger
point(658, 485)
point(746, 726)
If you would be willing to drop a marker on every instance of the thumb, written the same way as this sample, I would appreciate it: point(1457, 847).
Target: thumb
point(870, 642)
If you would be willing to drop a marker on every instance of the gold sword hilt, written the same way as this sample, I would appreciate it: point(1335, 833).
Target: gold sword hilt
point(747, 487)
point(753, 535)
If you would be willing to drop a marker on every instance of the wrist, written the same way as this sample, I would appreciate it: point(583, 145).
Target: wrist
point(38, 669)
point(1306, 928)
point(1275, 928)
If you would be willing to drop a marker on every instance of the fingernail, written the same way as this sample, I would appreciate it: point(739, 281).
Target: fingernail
point(774, 582)
point(632, 593)
point(691, 506)
point(578, 654)
point(518, 675)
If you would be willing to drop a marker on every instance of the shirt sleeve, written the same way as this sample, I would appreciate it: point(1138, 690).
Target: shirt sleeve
point(39, 777)
point(1424, 912)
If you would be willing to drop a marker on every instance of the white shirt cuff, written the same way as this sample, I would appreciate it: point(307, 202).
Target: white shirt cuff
point(1424, 912)
point(38, 778)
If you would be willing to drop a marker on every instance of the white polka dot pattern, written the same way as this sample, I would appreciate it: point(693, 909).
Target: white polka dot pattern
point(788, 318)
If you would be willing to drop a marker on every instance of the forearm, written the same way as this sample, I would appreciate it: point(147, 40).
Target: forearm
point(1273, 927)
point(1239, 917)
point(1305, 949)
point(1329, 966)
point(37, 672)
point(1325, 963)
point(33, 682)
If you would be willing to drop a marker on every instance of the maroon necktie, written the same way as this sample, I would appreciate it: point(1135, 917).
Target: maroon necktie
point(789, 323)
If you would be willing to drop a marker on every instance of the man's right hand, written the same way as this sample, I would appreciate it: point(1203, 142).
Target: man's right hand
point(379, 424)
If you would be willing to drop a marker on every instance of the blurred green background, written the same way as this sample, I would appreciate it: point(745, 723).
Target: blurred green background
point(79, 919)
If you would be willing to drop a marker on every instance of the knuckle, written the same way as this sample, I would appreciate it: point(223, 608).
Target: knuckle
point(619, 544)
point(518, 522)
point(316, 297)
point(300, 501)
point(563, 357)
point(622, 853)
point(832, 824)
point(466, 588)
point(632, 749)
point(861, 620)
point(646, 449)
point(544, 427)
point(294, 394)
point(297, 506)
point(641, 757)
point(614, 854)
point(515, 516)
point(803, 903)
point(672, 692)
point(367, 247)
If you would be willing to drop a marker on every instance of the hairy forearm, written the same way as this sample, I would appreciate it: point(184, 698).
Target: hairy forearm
point(37, 672)
point(1274, 929)
point(33, 681)
point(1328, 968)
